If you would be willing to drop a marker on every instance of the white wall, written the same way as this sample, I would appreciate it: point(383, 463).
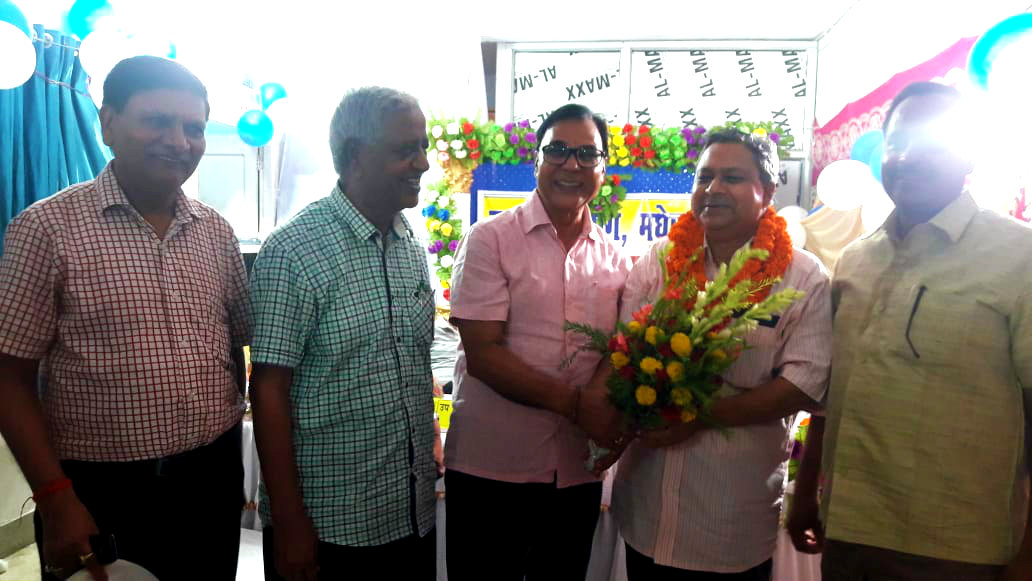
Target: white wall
point(878, 38)
point(13, 488)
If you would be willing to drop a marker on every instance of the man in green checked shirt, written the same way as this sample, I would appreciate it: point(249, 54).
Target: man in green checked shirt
point(342, 381)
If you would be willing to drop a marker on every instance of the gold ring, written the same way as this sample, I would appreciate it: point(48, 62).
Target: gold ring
point(84, 558)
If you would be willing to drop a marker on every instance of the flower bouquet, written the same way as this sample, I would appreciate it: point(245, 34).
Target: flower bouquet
point(669, 358)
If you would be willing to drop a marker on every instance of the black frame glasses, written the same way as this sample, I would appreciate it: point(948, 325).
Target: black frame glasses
point(558, 153)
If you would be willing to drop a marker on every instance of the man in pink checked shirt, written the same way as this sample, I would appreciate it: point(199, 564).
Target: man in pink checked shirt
point(520, 502)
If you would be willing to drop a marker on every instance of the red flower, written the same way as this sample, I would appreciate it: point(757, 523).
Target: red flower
point(627, 372)
point(474, 155)
point(467, 128)
point(638, 163)
point(672, 293)
point(671, 413)
point(646, 141)
point(697, 354)
point(635, 152)
point(661, 376)
point(619, 343)
point(628, 128)
point(666, 351)
point(616, 180)
point(472, 144)
point(642, 315)
point(631, 140)
point(644, 130)
point(447, 294)
point(650, 153)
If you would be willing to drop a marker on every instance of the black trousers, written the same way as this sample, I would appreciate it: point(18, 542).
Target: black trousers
point(178, 517)
point(642, 568)
point(507, 531)
point(412, 558)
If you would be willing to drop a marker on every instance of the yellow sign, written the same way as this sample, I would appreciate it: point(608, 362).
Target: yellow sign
point(643, 218)
point(443, 409)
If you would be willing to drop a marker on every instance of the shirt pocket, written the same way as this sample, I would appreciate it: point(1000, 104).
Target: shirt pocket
point(945, 330)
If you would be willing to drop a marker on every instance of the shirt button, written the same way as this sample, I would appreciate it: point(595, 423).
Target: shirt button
point(397, 339)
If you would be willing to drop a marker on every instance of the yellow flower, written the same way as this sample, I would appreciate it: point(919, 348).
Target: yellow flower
point(614, 130)
point(651, 335)
point(718, 354)
point(625, 162)
point(619, 360)
point(434, 225)
point(760, 132)
point(622, 151)
point(681, 344)
point(618, 140)
point(445, 284)
point(688, 415)
point(612, 160)
point(446, 229)
point(651, 365)
point(681, 396)
point(634, 327)
point(645, 395)
point(430, 224)
point(675, 369)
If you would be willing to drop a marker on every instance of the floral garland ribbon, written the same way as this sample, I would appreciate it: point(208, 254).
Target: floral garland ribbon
point(686, 258)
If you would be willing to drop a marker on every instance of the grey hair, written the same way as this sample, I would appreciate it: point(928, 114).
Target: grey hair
point(359, 120)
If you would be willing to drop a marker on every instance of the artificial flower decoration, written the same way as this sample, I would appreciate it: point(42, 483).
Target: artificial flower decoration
point(609, 201)
point(444, 228)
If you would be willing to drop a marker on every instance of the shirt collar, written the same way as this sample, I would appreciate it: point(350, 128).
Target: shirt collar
point(110, 194)
point(361, 225)
point(952, 220)
point(533, 214)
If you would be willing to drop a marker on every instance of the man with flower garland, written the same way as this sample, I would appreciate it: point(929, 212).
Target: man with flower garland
point(520, 502)
point(693, 502)
point(342, 380)
point(925, 470)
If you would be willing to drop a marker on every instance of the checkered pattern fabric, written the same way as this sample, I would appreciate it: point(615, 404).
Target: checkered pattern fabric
point(353, 317)
point(134, 332)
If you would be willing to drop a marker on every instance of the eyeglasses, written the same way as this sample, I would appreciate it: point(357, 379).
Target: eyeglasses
point(557, 153)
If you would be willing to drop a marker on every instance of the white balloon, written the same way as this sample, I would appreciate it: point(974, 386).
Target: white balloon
point(844, 184)
point(797, 232)
point(875, 210)
point(101, 50)
point(18, 60)
point(792, 213)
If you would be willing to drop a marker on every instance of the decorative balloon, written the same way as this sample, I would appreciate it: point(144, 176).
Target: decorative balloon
point(103, 49)
point(255, 128)
point(875, 210)
point(270, 93)
point(865, 144)
point(992, 43)
point(84, 16)
point(875, 162)
point(19, 56)
point(10, 14)
point(844, 184)
point(793, 213)
point(797, 232)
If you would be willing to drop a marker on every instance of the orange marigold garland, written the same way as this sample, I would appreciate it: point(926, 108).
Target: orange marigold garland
point(685, 258)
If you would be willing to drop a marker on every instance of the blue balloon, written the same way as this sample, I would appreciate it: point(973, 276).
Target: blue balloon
point(255, 128)
point(875, 161)
point(865, 144)
point(10, 14)
point(429, 211)
point(990, 44)
point(83, 15)
point(443, 215)
point(270, 93)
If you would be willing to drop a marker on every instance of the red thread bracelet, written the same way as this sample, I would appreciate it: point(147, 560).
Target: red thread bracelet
point(51, 488)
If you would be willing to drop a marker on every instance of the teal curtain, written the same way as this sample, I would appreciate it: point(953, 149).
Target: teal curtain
point(49, 129)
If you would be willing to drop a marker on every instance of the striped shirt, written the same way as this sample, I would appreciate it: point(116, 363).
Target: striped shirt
point(712, 503)
point(352, 312)
point(924, 450)
point(135, 333)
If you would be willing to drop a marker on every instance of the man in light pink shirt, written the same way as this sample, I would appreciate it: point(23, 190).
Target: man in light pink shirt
point(518, 437)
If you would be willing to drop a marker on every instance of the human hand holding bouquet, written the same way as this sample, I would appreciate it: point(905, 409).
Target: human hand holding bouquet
point(668, 359)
